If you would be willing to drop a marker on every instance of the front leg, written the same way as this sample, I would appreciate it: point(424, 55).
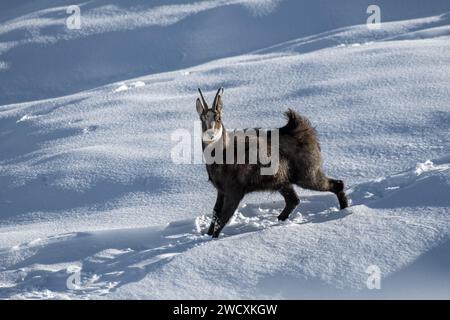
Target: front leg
point(216, 212)
point(231, 202)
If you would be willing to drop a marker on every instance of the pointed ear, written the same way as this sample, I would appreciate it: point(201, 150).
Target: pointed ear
point(199, 106)
point(218, 104)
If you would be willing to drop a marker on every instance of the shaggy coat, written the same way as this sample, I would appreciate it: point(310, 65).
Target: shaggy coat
point(300, 163)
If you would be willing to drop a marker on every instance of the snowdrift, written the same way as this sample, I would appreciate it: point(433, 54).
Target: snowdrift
point(319, 252)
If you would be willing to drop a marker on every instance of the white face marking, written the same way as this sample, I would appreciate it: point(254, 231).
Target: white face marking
point(212, 134)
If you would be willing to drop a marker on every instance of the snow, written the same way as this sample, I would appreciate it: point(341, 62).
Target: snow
point(40, 57)
point(320, 252)
point(89, 193)
point(124, 87)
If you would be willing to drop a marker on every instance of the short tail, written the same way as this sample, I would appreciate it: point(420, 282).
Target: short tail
point(296, 125)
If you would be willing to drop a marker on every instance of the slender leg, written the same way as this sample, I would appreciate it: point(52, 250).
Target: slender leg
point(231, 202)
point(291, 199)
point(216, 212)
point(323, 183)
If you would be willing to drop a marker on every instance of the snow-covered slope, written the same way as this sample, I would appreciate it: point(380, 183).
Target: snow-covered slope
point(319, 253)
point(87, 183)
point(120, 39)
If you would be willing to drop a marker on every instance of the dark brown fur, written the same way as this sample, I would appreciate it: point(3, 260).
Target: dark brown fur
point(300, 163)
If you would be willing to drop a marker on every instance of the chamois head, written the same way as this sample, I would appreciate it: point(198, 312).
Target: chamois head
point(211, 119)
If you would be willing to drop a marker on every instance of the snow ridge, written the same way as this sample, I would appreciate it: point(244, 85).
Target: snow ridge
point(109, 259)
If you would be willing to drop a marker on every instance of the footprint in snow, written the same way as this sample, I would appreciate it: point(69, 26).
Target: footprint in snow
point(86, 264)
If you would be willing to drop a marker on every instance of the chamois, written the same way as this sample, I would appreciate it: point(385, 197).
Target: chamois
point(300, 163)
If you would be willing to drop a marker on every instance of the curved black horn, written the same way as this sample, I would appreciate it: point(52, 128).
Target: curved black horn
point(205, 105)
point(219, 92)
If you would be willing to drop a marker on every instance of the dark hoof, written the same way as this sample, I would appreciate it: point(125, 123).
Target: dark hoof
point(344, 206)
point(210, 230)
point(217, 230)
point(215, 235)
point(343, 201)
point(282, 218)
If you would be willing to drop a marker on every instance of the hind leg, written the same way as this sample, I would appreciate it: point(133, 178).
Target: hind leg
point(322, 183)
point(338, 190)
point(291, 199)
